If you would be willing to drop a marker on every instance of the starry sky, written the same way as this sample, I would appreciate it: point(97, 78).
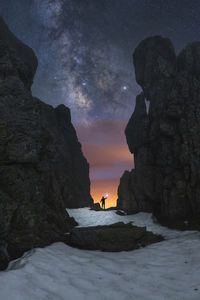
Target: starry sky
point(84, 49)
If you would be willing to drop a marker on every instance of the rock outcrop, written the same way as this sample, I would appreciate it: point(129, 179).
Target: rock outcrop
point(166, 141)
point(112, 238)
point(42, 168)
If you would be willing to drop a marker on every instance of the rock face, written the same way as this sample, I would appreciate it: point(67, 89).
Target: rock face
point(42, 168)
point(96, 207)
point(166, 141)
point(112, 238)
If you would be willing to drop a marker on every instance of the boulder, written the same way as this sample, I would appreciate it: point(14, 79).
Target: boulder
point(166, 141)
point(42, 168)
point(112, 238)
point(96, 207)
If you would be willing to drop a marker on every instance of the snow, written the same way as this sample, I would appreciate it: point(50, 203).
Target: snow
point(147, 103)
point(166, 270)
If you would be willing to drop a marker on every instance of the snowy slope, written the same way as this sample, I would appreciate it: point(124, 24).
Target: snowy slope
point(166, 270)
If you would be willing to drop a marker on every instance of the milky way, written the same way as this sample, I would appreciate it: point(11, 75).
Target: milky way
point(90, 73)
point(85, 47)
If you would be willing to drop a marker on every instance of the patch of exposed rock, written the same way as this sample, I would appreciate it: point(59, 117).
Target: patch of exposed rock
point(42, 168)
point(96, 207)
point(166, 141)
point(112, 238)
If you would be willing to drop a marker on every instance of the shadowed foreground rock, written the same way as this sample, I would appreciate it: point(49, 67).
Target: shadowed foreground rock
point(42, 168)
point(166, 141)
point(112, 238)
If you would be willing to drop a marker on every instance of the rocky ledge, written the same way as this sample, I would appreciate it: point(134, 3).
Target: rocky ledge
point(112, 238)
point(97, 207)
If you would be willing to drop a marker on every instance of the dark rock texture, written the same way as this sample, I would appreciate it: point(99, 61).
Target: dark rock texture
point(112, 238)
point(23, 58)
point(166, 141)
point(42, 168)
point(97, 207)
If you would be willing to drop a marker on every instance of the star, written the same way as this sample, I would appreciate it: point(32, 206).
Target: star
point(77, 60)
point(124, 88)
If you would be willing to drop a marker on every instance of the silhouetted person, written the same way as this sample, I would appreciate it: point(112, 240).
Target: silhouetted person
point(103, 201)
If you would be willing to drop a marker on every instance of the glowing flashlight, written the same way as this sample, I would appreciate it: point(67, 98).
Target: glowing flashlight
point(107, 195)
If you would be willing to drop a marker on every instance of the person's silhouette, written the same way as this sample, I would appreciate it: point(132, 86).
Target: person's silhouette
point(103, 201)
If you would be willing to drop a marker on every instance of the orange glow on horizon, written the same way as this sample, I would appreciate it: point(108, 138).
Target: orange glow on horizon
point(107, 156)
point(100, 187)
point(105, 148)
point(105, 159)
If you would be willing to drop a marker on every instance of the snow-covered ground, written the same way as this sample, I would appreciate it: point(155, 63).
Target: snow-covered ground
point(166, 270)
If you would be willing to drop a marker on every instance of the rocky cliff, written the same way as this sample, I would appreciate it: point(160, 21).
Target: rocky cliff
point(42, 168)
point(165, 141)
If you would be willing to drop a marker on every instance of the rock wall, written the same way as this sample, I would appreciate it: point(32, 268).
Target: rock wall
point(166, 141)
point(42, 168)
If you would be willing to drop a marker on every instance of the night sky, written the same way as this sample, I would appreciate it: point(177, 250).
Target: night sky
point(84, 48)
